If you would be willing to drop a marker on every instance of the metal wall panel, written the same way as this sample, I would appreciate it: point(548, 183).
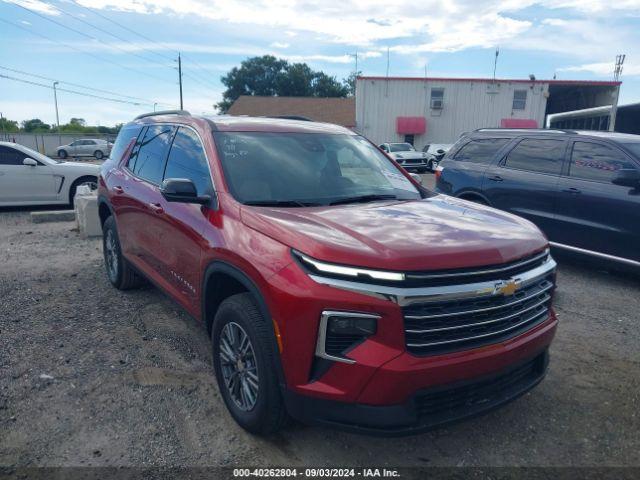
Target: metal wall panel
point(467, 106)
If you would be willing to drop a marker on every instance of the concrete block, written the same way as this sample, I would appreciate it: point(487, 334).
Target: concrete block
point(87, 217)
point(53, 216)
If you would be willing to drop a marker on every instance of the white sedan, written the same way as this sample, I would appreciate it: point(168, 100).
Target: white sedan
point(30, 178)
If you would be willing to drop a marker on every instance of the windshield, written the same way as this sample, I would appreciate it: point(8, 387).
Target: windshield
point(401, 147)
point(304, 169)
point(634, 148)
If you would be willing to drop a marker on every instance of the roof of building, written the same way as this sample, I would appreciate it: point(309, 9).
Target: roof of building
point(499, 80)
point(341, 111)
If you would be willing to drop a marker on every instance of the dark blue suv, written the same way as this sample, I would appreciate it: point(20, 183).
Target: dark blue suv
point(582, 188)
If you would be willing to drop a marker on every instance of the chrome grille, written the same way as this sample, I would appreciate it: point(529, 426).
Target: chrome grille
point(441, 327)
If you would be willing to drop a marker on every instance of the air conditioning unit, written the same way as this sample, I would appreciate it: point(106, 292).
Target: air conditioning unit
point(436, 104)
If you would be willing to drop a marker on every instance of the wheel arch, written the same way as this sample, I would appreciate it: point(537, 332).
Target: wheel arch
point(472, 196)
point(104, 210)
point(215, 291)
point(77, 181)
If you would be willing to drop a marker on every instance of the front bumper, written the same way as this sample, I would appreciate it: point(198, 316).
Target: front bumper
point(427, 408)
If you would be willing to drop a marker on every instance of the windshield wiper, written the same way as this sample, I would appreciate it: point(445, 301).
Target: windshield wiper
point(280, 203)
point(363, 199)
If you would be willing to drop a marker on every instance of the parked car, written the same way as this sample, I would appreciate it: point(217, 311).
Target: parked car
point(438, 150)
point(30, 178)
point(88, 147)
point(335, 288)
point(582, 188)
point(407, 156)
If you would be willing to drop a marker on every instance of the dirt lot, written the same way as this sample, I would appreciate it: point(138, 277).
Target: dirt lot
point(93, 376)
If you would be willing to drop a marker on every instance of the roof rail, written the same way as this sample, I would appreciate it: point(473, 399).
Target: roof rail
point(547, 130)
point(291, 117)
point(163, 112)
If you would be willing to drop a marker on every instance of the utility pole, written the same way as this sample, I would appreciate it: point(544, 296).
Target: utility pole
point(55, 100)
point(617, 71)
point(180, 78)
point(495, 63)
point(2, 123)
point(154, 106)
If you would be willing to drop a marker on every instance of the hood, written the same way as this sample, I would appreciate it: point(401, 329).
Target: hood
point(409, 154)
point(436, 233)
point(82, 168)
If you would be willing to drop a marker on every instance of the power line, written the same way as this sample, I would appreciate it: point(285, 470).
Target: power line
point(201, 68)
point(81, 86)
point(82, 51)
point(84, 94)
point(117, 37)
point(130, 30)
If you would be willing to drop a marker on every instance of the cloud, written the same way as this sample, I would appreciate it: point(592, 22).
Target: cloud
point(279, 45)
point(604, 69)
point(36, 6)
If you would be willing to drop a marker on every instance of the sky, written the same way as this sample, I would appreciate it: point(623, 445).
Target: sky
point(126, 51)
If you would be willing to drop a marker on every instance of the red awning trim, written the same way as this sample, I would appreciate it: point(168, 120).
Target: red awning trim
point(411, 125)
point(518, 123)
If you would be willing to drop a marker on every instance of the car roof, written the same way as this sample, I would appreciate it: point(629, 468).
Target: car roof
point(556, 133)
point(230, 123)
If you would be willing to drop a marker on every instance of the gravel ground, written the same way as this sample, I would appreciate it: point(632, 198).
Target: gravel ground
point(93, 376)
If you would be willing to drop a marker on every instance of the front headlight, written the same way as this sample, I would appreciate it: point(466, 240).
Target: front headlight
point(318, 267)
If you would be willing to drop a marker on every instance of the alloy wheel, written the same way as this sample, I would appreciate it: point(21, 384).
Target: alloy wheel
point(238, 365)
point(111, 255)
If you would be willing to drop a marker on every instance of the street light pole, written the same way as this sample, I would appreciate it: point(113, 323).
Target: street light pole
point(55, 99)
point(154, 106)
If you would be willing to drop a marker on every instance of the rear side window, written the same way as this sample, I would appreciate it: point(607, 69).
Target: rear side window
point(593, 161)
point(537, 155)
point(149, 164)
point(480, 151)
point(11, 156)
point(122, 142)
point(188, 160)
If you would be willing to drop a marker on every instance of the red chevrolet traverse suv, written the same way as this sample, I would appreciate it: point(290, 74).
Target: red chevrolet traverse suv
point(336, 289)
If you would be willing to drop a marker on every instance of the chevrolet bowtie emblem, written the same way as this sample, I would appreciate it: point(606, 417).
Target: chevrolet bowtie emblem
point(506, 288)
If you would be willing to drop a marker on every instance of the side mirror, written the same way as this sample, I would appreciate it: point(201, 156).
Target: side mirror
point(627, 177)
point(30, 162)
point(182, 190)
point(416, 177)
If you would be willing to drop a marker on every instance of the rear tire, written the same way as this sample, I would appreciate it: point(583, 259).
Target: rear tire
point(245, 369)
point(98, 154)
point(120, 273)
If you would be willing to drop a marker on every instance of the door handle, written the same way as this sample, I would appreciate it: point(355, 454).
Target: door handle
point(118, 189)
point(496, 178)
point(572, 190)
point(156, 207)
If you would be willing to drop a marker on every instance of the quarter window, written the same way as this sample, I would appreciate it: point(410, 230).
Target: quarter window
point(11, 156)
point(122, 142)
point(536, 155)
point(480, 151)
point(519, 100)
point(152, 153)
point(593, 161)
point(188, 160)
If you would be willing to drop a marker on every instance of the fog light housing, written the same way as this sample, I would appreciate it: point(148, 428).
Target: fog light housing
point(340, 332)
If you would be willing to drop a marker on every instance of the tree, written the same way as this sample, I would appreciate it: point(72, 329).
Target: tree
point(350, 83)
point(79, 122)
point(7, 125)
point(35, 125)
point(270, 76)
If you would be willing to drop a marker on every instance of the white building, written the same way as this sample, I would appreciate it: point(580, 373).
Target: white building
point(437, 110)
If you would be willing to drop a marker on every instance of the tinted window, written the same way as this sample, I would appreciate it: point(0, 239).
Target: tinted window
point(307, 168)
point(480, 151)
point(122, 142)
point(401, 147)
point(153, 152)
point(593, 161)
point(11, 156)
point(188, 160)
point(544, 156)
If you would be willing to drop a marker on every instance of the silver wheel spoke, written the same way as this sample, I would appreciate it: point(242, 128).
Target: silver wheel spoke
point(238, 365)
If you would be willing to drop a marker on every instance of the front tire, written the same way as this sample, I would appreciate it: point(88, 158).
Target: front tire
point(120, 273)
point(244, 362)
point(62, 154)
point(91, 182)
